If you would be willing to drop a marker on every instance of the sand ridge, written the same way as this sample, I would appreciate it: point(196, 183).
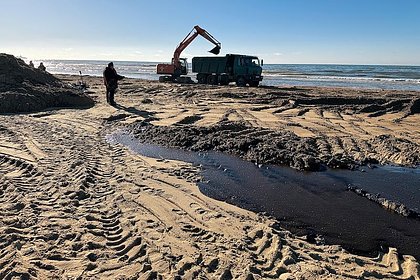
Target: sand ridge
point(27, 89)
point(77, 207)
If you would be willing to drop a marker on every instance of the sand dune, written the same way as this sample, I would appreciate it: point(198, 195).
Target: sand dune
point(28, 89)
point(77, 207)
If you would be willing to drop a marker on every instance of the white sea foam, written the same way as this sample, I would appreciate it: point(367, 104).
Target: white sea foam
point(321, 78)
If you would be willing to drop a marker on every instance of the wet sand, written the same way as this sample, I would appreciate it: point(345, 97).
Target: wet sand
point(317, 205)
point(75, 206)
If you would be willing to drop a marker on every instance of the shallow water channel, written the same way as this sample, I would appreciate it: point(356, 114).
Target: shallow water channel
point(309, 203)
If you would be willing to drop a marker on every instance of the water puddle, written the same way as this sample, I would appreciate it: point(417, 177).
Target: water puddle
point(309, 203)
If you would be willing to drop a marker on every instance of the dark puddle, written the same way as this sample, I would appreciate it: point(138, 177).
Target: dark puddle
point(316, 203)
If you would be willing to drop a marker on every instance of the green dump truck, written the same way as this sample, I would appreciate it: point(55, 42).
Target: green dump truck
point(242, 69)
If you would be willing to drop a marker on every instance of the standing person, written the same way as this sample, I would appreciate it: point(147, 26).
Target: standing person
point(31, 64)
point(111, 79)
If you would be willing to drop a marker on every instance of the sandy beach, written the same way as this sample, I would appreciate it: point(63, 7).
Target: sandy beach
point(75, 206)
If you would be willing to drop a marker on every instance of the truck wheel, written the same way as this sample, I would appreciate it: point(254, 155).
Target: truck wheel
point(212, 80)
point(224, 80)
point(254, 83)
point(240, 82)
point(201, 78)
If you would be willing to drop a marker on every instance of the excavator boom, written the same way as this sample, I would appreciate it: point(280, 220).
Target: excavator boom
point(197, 30)
point(175, 68)
point(208, 36)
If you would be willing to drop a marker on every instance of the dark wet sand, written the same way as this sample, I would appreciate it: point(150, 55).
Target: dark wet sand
point(309, 203)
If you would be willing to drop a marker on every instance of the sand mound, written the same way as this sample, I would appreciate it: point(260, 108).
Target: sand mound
point(25, 89)
point(14, 72)
point(415, 106)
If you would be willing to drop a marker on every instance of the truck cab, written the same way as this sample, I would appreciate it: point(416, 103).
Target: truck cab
point(247, 70)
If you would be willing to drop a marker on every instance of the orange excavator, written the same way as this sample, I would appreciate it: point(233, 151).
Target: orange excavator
point(179, 66)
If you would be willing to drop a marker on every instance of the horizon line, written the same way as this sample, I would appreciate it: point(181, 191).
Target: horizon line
point(296, 63)
point(163, 61)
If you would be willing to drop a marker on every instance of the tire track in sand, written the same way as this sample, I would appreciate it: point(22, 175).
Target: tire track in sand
point(84, 209)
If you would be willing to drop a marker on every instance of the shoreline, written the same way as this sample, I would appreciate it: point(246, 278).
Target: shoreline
point(74, 77)
point(329, 75)
point(274, 86)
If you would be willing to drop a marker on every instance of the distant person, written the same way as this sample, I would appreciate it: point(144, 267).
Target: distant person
point(41, 67)
point(111, 79)
point(31, 64)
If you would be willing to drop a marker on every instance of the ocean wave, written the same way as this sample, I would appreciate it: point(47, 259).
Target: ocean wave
point(345, 78)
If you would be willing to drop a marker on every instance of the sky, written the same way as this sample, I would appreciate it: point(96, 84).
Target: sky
point(279, 31)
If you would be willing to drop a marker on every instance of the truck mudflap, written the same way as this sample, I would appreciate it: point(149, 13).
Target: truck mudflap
point(255, 78)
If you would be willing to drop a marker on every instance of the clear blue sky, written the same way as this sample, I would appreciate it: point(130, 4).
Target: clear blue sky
point(280, 31)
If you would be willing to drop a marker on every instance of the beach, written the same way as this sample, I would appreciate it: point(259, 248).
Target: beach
point(76, 205)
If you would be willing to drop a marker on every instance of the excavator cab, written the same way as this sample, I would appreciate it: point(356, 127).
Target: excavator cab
point(184, 66)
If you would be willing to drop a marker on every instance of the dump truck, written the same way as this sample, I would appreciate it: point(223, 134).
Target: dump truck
point(241, 69)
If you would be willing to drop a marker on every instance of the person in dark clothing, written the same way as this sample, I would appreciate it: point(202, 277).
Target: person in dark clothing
point(111, 79)
point(41, 67)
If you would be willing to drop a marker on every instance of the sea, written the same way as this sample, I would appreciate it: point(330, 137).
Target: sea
point(389, 77)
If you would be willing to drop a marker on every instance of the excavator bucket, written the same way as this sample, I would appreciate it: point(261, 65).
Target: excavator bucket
point(215, 50)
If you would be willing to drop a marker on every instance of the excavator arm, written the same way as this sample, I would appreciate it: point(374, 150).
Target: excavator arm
point(197, 30)
point(175, 69)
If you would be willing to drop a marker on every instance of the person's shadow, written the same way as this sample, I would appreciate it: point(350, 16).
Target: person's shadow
point(132, 110)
